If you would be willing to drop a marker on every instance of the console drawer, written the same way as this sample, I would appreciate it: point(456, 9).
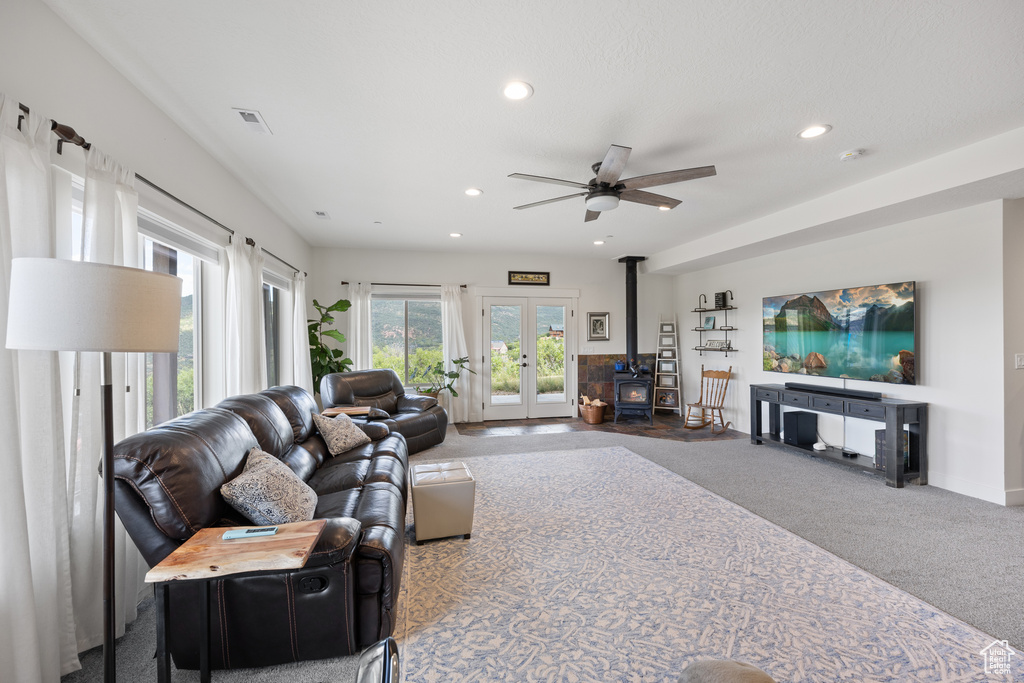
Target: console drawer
point(828, 404)
point(866, 410)
point(802, 400)
point(766, 395)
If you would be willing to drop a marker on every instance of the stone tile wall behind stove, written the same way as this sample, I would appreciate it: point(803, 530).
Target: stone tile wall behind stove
point(597, 374)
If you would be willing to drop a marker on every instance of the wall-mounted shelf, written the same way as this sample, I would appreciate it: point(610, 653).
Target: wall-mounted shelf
point(722, 344)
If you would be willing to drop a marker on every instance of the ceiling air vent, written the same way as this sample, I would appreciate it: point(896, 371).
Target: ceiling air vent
point(322, 214)
point(253, 120)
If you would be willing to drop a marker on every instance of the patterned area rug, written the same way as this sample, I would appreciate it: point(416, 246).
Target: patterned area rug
point(599, 565)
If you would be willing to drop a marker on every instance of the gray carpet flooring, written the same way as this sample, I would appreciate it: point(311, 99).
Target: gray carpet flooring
point(962, 555)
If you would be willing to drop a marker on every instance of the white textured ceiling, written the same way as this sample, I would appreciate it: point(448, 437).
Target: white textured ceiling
point(388, 110)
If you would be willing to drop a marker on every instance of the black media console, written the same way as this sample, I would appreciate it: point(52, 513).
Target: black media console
point(895, 413)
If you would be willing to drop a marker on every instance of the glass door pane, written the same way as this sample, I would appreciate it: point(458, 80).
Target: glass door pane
point(549, 358)
point(506, 379)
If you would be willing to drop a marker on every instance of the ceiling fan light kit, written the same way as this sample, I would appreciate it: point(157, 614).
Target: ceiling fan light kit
point(604, 191)
point(602, 201)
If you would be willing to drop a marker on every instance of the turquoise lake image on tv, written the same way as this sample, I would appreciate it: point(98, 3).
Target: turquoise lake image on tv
point(866, 333)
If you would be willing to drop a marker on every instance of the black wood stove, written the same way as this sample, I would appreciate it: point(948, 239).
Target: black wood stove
point(634, 391)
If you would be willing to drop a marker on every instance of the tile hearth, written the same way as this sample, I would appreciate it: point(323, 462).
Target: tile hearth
point(667, 426)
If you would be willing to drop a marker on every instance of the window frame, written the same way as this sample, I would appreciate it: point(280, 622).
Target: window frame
point(272, 296)
point(406, 298)
point(197, 324)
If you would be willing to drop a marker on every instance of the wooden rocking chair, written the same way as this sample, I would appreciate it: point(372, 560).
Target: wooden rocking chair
point(713, 384)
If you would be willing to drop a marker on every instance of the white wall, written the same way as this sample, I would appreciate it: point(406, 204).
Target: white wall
point(956, 260)
point(601, 284)
point(49, 68)
point(1013, 343)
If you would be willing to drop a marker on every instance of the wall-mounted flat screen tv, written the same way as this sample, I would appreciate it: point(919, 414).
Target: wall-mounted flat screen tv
point(866, 333)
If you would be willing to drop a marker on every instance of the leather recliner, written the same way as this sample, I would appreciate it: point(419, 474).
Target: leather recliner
point(418, 418)
point(167, 486)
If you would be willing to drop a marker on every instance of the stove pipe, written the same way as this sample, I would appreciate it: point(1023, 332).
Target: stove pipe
point(631, 340)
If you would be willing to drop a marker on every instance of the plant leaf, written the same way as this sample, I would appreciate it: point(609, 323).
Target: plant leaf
point(334, 334)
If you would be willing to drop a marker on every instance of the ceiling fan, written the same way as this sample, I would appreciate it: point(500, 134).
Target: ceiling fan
point(605, 190)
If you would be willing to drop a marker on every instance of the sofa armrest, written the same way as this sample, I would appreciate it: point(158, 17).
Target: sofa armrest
point(415, 403)
point(375, 430)
point(337, 542)
point(378, 414)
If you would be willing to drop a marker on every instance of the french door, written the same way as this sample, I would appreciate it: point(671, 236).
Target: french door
point(529, 358)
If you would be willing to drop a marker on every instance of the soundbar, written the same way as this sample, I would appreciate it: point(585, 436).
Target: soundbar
point(835, 391)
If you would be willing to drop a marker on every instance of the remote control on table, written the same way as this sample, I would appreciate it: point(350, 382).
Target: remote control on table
point(248, 533)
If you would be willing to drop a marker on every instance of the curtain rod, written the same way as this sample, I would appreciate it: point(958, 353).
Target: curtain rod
point(67, 134)
point(400, 284)
point(252, 243)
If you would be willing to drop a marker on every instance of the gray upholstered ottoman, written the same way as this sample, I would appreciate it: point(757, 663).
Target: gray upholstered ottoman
point(442, 500)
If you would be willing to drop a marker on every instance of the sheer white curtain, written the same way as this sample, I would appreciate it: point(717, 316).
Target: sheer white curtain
point(109, 235)
point(359, 333)
point(302, 369)
point(453, 338)
point(36, 616)
point(245, 356)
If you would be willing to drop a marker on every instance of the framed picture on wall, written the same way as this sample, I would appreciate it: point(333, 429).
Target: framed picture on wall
point(667, 353)
point(667, 381)
point(597, 327)
point(668, 327)
point(528, 277)
point(709, 322)
point(666, 366)
point(669, 340)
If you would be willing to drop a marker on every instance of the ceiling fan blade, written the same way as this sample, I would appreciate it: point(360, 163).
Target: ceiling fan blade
point(649, 198)
point(549, 201)
point(668, 177)
point(555, 181)
point(592, 216)
point(613, 165)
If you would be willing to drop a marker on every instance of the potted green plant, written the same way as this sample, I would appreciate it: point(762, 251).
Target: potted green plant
point(442, 380)
point(324, 359)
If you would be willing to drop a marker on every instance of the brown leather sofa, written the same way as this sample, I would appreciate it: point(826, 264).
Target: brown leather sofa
point(167, 487)
point(418, 418)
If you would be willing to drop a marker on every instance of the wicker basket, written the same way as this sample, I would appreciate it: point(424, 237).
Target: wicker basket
point(593, 415)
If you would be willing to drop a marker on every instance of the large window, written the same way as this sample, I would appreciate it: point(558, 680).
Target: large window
point(272, 331)
point(170, 377)
point(406, 336)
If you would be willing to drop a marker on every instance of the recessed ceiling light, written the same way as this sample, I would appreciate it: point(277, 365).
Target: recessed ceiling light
point(814, 131)
point(518, 90)
point(455, 234)
point(665, 208)
point(474, 192)
point(598, 242)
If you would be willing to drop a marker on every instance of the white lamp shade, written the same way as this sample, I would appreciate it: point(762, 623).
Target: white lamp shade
point(58, 305)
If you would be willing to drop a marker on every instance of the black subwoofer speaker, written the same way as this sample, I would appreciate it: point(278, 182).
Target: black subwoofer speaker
point(800, 428)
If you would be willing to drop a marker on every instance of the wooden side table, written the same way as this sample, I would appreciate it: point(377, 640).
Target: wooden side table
point(207, 556)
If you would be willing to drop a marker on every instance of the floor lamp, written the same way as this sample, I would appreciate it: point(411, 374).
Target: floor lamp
point(78, 306)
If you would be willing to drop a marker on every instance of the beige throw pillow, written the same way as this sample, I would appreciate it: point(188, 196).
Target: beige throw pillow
point(340, 433)
point(268, 492)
